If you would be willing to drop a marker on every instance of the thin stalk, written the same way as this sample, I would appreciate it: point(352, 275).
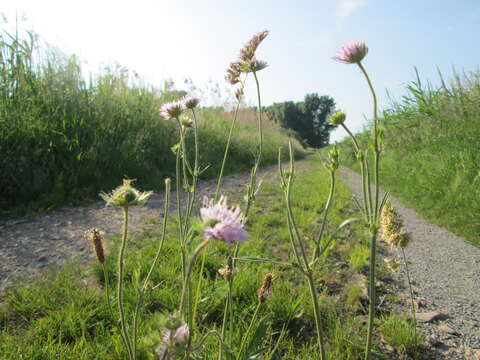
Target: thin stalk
point(107, 293)
point(364, 190)
point(325, 214)
point(371, 310)
point(141, 292)
point(227, 147)
point(120, 284)
point(316, 310)
point(411, 291)
point(245, 337)
point(186, 283)
point(226, 314)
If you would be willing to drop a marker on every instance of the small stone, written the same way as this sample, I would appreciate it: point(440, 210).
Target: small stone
point(430, 316)
point(448, 330)
point(42, 259)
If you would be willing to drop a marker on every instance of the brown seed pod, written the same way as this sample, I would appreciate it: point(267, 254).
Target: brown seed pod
point(96, 238)
point(265, 290)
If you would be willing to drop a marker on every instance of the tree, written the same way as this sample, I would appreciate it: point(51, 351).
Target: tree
point(307, 118)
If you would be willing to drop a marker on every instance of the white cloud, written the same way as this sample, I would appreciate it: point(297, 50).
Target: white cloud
point(347, 7)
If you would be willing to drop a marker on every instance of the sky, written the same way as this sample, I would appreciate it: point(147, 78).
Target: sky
point(197, 39)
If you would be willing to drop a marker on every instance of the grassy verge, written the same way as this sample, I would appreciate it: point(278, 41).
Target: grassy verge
point(64, 314)
point(430, 159)
point(65, 138)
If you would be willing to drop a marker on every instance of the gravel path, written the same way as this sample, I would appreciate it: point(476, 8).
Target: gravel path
point(446, 275)
point(29, 246)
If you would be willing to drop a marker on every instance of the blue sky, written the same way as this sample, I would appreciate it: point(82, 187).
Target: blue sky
point(197, 39)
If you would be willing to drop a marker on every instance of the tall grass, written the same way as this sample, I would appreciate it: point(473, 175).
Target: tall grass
point(431, 158)
point(63, 137)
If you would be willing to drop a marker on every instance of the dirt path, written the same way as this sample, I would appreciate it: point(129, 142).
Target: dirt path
point(28, 246)
point(446, 275)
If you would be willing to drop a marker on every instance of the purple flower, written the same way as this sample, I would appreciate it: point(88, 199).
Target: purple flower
point(221, 222)
point(176, 337)
point(190, 102)
point(352, 53)
point(172, 110)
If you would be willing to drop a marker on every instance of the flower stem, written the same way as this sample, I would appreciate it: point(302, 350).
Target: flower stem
point(316, 253)
point(316, 310)
point(186, 283)
point(411, 291)
point(120, 285)
point(227, 147)
point(245, 337)
point(371, 310)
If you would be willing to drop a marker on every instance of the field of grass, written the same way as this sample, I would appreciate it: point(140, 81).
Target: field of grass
point(431, 152)
point(65, 138)
point(64, 315)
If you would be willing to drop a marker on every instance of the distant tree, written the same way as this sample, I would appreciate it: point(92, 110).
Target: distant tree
point(307, 118)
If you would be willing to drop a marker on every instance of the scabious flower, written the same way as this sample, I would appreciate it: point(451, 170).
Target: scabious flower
point(126, 195)
point(190, 102)
point(352, 53)
point(223, 223)
point(172, 110)
point(175, 337)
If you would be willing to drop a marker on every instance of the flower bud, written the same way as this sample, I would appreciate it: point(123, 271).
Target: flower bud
point(265, 290)
point(96, 238)
point(338, 118)
point(126, 195)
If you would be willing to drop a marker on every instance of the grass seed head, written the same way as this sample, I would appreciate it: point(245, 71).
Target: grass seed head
point(96, 238)
point(265, 290)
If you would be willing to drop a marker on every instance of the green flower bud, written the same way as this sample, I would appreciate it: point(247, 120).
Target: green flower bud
point(338, 118)
point(126, 195)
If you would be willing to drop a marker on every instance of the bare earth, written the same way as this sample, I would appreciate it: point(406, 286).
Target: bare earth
point(445, 270)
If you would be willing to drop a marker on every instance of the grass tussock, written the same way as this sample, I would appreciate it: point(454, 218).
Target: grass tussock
point(431, 156)
point(64, 137)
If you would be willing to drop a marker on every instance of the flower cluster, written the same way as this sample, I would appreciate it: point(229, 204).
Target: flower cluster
point(173, 110)
point(392, 227)
point(126, 195)
point(222, 223)
point(247, 61)
point(352, 53)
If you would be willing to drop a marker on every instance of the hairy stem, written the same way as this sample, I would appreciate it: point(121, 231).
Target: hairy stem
point(371, 309)
point(120, 285)
point(316, 253)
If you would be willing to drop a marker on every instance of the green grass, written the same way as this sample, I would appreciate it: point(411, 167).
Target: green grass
point(430, 159)
point(63, 315)
point(64, 138)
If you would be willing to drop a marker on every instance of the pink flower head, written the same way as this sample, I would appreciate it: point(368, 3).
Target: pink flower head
point(221, 222)
point(178, 336)
point(190, 102)
point(172, 110)
point(352, 53)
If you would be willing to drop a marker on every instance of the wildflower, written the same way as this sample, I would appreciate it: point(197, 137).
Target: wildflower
point(352, 53)
point(172, 110)
point(190, 102)
point(178, 336)
point(221, 222)
point(338, 118)
point(126, 195)
point(96, 238)
point(248, 51)
point(226, 272)
point(392, 227)
point(186, 121)
point(254, 65)
point(265, 290)
point(233, 73)
point(392, 265)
